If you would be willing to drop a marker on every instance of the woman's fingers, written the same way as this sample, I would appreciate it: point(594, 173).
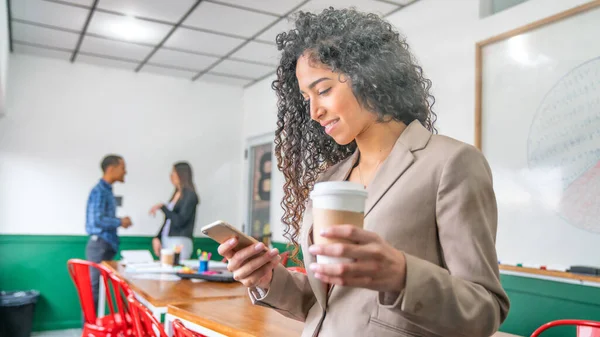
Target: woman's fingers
point(350, 233)
point(250, 265)
point(226, 249)
point(254, 264)
point(242, 255)
point(347, 250)
point(262, 276)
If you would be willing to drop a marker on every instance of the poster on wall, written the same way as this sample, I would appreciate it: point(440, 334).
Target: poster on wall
point(260, 191)
point(538, 124)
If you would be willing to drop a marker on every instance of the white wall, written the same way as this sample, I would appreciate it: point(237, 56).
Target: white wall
point(65, 117)
point(3, 54)
point(442, 35)
point(260, 112)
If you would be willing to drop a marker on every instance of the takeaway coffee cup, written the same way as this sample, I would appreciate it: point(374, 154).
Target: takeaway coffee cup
point(336, 203)
point(167, 257)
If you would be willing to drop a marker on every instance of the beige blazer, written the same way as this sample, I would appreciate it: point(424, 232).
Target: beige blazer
point(433, 199)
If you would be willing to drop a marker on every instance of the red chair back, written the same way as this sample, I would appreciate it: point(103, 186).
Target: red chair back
point(122, 292)
point(297, 269)
point(179, 330)
point(285, 256)
point(584, 328)
point(145, 324)
point(80, 274)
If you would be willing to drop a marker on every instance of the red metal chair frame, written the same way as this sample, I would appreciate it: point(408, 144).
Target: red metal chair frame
point(145, 324)
point(179, 330)
point(576, 322)
point(109, 325)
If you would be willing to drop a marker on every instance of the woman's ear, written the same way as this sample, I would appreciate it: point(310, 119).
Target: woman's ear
point(343, 78)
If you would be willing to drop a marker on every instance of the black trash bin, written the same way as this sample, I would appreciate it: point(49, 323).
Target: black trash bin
point(16, 312)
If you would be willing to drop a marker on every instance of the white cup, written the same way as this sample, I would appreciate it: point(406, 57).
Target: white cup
point(336, 203)
point(167, 257)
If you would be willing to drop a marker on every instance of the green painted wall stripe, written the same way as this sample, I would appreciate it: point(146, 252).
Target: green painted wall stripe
point(550, 289)
point(44, 238)
point(39, 262)
point(63, 325)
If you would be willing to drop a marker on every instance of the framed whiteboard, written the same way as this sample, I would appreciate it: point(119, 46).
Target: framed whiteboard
point(537, 121)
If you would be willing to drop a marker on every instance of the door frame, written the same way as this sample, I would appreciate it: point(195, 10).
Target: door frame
point(267, 138)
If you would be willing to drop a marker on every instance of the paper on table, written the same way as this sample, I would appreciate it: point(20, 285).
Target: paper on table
point(157, 277)
point(154, 267)
point(136, 256)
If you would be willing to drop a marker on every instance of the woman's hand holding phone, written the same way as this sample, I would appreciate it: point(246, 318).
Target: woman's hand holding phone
point(252, 266)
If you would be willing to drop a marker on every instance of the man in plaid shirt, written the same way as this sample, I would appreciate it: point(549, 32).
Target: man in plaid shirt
point(101, 219)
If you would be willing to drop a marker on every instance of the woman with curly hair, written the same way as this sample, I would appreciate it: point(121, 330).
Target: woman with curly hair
point(354, 105)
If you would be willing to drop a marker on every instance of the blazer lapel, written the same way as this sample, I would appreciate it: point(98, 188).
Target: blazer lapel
point(344, 168)
point(414, 137)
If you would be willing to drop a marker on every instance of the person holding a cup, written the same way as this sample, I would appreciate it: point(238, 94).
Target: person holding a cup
point(397, 224)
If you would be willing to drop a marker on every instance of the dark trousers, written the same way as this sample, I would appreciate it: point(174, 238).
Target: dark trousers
point(97, 250)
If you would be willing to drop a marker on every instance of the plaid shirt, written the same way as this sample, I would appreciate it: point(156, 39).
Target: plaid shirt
point(101, 219)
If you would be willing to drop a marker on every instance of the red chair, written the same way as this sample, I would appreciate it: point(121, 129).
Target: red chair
point(145, 324)
point(122, 292)
point(285, 256)
point(179, 330)
point(584, 328)
point(110, 325)
point(297, 269)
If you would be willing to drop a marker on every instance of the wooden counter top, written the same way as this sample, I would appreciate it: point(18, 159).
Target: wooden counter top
point(161, 293)
point(237, 317)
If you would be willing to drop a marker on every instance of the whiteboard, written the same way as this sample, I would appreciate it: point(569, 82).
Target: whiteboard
point(540, 131)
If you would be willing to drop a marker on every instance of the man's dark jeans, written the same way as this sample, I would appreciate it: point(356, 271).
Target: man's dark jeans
point(97, 250)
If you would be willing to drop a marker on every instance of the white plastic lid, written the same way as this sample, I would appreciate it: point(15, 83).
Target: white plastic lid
point(167, 251)
point(338, 188)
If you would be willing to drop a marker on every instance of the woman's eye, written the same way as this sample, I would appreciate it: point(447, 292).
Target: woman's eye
point(324, 91)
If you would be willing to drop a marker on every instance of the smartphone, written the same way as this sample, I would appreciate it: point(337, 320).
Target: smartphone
point(221, 231)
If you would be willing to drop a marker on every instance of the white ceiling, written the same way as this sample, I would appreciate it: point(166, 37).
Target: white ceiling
point(226, 41)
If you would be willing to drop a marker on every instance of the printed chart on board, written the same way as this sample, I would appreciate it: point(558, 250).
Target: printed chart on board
point(565, 138)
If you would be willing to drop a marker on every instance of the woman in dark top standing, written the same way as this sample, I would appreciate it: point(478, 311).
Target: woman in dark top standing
point(180, 213)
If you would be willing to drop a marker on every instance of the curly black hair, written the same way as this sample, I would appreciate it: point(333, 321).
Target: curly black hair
point(384, 77)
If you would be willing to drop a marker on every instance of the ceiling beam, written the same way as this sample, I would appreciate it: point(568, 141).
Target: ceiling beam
point(249, 40)
point(9, 24)
point(400, 7)
point(260, 79)
point(173, 29)
point(249, 9)
point(83, 31)
point(389, 2)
